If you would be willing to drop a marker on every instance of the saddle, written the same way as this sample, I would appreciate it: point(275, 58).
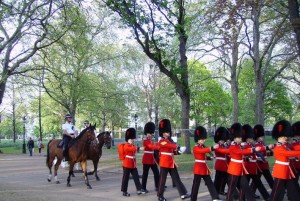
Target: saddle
point(60, 144)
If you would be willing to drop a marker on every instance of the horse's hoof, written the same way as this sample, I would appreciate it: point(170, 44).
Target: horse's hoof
point(97, 178)
point(69, 185)
point(49, 180)
point(89, 187)
point(90, 173)
point(57, 182)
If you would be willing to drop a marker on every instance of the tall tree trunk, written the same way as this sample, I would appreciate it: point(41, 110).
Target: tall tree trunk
point(260, 101)
point(235, 96)
point(293, 7)
point(185, 121)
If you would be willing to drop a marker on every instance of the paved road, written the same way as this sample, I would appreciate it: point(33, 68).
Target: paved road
point(24, 178)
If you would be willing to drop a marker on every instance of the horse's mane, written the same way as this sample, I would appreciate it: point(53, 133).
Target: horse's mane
point(103, 133)
point(82, 133)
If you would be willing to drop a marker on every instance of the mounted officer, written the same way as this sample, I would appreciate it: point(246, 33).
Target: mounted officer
point(69, 132)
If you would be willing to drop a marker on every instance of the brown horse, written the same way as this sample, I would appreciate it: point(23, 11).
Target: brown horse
point(78, 148)
point(95, 151)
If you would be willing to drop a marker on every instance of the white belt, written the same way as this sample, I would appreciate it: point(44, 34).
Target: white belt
point(282, 162)
point(200, 161)
point(130, 156)
point(221, 158)
point(252, 160)
point(167, 153)
point(235, 160)
point(149, 152)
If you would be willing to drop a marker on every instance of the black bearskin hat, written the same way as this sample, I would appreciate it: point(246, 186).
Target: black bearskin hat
point(149, 128)
point(282, 128)
point(130, 134)
point(221, 134)
point(236, 130)
point(247, 132)
point(200, 133)
point(164, 127)
point(259, 131)
point(296, 128)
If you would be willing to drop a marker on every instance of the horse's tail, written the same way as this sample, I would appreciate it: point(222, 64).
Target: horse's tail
point(48, 154)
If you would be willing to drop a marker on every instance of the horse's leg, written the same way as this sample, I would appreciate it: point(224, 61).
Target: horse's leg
point(70, 173)
point(95, 162)
point(49, 164)
point(84, 165)
point(58, 161)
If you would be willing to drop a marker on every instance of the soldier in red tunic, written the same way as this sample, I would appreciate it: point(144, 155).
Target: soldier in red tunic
point(262, 157)
point(129, 164)
point(236, 169)
point(295, 144)
point(148, 157)
point(167, 163)
point(201, 169)
point(250, 161)
point(282, 172)
point(221, 164)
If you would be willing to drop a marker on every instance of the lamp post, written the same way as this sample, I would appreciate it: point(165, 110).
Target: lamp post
point(135, 121)
point(24, 145)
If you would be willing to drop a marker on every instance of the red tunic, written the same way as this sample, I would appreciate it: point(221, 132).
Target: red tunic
point(149, 147)
point(250, 161)
point(262, 162)
point(129, 161)
point(296, 145)
point(166, 149)
point(236, 166)
point(282, 169)
point(221, 154)
point(200, 166)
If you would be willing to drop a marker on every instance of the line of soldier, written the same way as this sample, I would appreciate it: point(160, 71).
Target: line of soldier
point(240, 157)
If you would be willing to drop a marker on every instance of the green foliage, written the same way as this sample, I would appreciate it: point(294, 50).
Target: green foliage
point(210, 102)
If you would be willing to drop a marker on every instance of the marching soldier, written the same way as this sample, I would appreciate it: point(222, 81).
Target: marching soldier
point(148, 157)
point(262, 157)
point(221, 164)
point(296, 143)
point(236, 169)
point(129, 164)
point(250, 161)
point(201, 169)
point(282, 172)
point(167, 163)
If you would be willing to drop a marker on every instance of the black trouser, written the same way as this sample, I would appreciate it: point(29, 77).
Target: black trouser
point(220, 181)
point(268, 177)
point(279, 187)
point(66, 140)
point(155, 171)
point(243, 186)
point(208, 182)
point(175, 177)
point(125, 179)
point(257, 182)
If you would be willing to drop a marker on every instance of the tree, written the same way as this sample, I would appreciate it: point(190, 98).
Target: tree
point(25, 28)
point(210, 103)
point(218, 37)
point(158, 26)
point(293, 8)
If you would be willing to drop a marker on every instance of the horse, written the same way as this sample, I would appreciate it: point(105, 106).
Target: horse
point(95, 151)
point(78, 148)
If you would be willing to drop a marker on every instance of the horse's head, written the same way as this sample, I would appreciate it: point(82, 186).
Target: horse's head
point(105, 138)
